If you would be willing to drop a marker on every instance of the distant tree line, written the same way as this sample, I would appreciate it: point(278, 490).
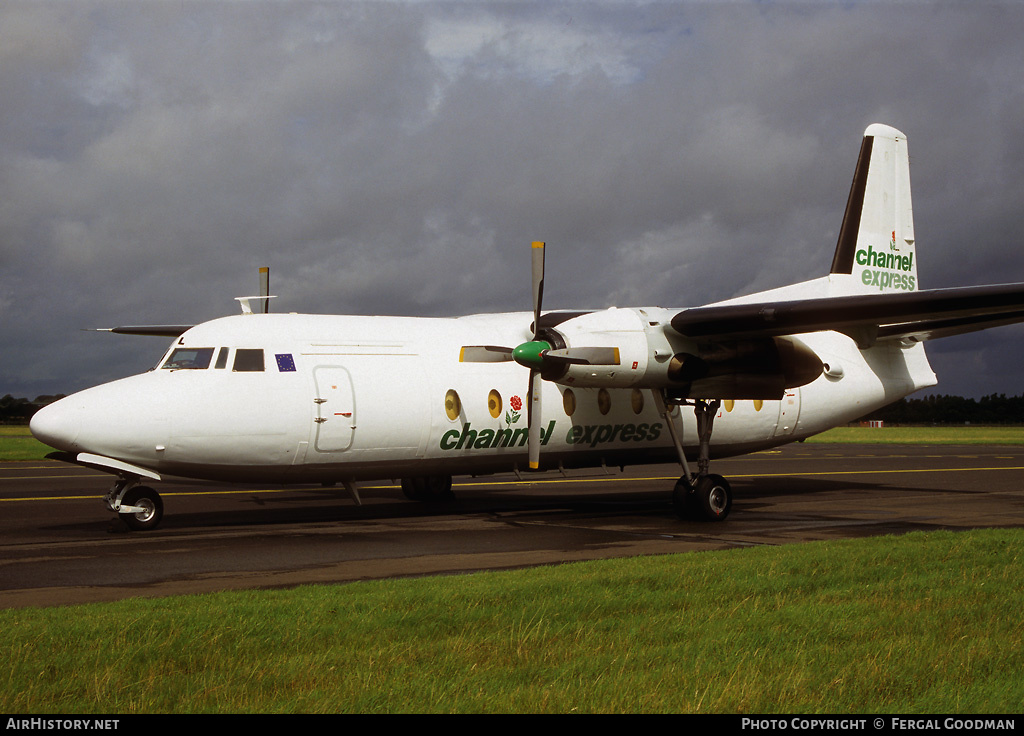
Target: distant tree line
point(994, 409)
point(19, 411)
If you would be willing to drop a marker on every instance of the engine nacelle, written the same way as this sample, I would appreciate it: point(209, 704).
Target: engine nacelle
point(622, 329)
point(651, 357)
point(744, 369)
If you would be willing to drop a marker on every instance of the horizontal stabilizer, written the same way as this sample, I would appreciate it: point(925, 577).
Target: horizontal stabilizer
point(921, 314)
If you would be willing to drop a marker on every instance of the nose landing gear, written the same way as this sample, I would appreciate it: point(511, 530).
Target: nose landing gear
point(139, 507)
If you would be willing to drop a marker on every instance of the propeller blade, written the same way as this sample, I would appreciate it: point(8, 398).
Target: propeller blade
point(484, 354)
point(584, 356)
point(537, 263)
point(534, 418)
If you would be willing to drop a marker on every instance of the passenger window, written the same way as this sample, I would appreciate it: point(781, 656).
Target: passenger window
point(247, 360)
point(222, 358)
point(189, 359)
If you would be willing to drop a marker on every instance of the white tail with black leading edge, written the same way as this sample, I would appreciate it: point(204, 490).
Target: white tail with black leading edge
point(876, 242)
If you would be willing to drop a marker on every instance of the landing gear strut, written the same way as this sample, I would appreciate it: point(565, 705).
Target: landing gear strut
point(702, 495)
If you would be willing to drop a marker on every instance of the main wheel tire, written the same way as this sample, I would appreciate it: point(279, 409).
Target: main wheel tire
point(681, 498)
point(428, 488)
point(713, 498)
point(152, 505)
point(411, 488)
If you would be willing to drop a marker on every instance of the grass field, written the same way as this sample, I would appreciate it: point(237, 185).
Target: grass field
point(17, 443)
point(956, 435)
point(922, 623)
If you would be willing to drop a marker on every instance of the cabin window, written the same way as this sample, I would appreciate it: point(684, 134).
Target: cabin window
point(248, 360)
point(494, 403)
point(222, 359)
point(637, 400)
point(189, 359)
point(452, 404)
point(569, 402)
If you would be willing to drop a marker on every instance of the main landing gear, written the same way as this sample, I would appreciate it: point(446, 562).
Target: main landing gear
point(139, 507)
point(428, 488)
point(703, 495)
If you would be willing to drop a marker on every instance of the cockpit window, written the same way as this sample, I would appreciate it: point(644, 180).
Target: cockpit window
point(189, 358)
point(248, 360)
point(222, 358)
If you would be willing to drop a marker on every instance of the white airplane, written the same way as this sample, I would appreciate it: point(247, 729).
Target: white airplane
point(295, 398)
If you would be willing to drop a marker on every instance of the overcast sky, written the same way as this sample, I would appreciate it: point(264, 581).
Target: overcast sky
point(399, 157)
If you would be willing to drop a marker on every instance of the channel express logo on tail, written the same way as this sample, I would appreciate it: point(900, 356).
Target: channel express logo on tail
point(888, 270)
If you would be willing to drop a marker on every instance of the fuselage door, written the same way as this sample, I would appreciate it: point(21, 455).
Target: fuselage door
point(335, 413)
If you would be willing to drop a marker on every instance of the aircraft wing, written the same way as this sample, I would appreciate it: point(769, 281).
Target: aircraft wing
point(154, 330)
point(917, 315)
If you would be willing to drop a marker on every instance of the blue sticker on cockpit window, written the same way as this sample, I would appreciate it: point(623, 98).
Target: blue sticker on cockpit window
point(285, 363)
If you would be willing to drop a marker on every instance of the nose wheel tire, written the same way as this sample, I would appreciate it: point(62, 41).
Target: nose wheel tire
point(151, 505)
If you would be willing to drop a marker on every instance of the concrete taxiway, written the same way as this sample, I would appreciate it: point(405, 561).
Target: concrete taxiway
point(59, 545)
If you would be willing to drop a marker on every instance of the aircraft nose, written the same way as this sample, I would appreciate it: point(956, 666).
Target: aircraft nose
point(57, 425)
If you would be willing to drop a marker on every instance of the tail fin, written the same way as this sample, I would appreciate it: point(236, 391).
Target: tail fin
point(876, 240)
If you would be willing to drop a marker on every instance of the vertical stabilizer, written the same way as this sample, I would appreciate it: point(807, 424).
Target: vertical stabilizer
point(876, 241)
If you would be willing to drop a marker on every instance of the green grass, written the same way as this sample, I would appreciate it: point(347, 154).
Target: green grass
point(925, 623)
point(959, 435)
point(17, 443)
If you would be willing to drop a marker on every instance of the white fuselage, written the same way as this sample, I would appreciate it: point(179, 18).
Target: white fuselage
point(347, 398)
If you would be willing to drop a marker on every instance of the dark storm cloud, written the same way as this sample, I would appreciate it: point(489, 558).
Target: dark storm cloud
point(398, 158)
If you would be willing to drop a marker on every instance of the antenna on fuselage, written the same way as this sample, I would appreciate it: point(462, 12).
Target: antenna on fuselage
point(264, 294)
point(265, 288)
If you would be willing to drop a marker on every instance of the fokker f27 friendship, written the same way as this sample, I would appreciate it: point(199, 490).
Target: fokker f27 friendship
point(297, 398)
